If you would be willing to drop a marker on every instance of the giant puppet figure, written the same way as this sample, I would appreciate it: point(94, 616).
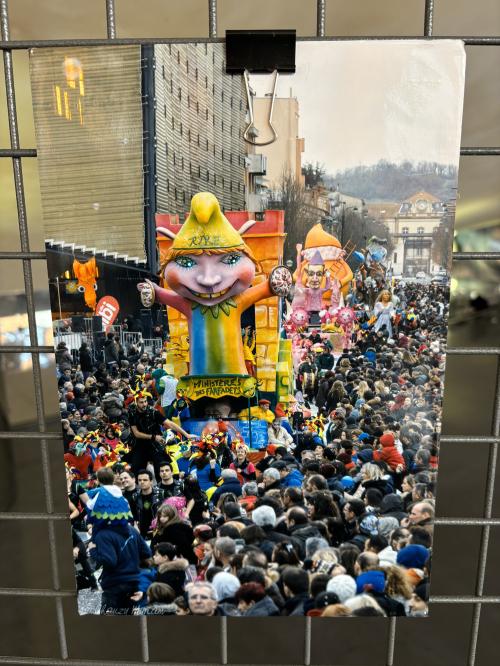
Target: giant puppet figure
point(210, 269)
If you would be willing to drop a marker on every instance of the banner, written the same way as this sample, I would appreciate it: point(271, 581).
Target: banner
point(107, 308)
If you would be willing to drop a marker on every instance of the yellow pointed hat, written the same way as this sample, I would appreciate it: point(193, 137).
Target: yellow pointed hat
point(206, 228)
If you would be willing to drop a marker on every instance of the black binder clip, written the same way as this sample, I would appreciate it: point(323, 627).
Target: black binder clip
point(260, 52)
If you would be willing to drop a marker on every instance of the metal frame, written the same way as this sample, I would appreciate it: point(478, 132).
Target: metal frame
point(16, 153)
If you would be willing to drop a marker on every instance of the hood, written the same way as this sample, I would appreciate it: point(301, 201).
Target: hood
point(391, 502)
point(180, 564)
point(264, 607)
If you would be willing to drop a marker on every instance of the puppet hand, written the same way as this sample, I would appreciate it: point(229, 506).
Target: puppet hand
point(147, 293)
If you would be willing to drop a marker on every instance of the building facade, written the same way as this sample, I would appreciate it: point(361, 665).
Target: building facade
point(284, 154)
point(412, 225)
point(200, 119)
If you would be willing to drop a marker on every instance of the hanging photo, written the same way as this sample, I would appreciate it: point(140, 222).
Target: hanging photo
point(249, 280)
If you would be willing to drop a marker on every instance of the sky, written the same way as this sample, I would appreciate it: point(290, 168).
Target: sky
point(360, 102)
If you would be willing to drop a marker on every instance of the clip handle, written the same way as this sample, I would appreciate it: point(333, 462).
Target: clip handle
point(251, 124)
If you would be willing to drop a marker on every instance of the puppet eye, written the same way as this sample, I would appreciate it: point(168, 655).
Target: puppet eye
point(185, 262)
point(81, 288)
point(231, 259)
point(95, 286)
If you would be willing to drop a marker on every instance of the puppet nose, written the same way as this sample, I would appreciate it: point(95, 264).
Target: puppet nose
point(208, 279)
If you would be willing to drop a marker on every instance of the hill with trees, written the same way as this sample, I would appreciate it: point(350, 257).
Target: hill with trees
point(387, 181)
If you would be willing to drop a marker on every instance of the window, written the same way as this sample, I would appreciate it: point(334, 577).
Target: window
point(215, 179)
point(395, 260)
point(420, 230)
point(189, 135)
point(174, 159)
point(175, 193)
point(179, 94)
point(405, 230)
point(163, 71)
point(206, 114)
point(208, 176)
point(180, 129)
point(166, 149)
point(196, 74)
point(197, 107)
point(171, 86)
point(173, 123)
point(168, 185)
point(207, 145)
point(199, 171)
point(230, 158)
point(222, 154)
point(182, 163)
point(178, 57)
point(222, 96)
point(189, 102)
point(165, 110)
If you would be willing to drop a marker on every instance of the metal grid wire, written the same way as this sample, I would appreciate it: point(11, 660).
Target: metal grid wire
point(16, 154)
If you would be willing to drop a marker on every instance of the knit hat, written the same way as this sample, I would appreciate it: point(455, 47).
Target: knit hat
point(264, 515)
point(413, 556)
point(370, 581)
point(369, 525)
point(386, 524)
point(344, 587)
point(107, 505)
point(226, 585)
point(347, 482)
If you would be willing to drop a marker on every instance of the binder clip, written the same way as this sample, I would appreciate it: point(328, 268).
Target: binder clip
point(260, 52)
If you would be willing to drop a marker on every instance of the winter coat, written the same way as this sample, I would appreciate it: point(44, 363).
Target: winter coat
point(111, 352)
point(263, 608)
point(390, 455)
point(174, 574)
point(293, 478)
point(181, 536)
point(392, 505)
point(119, 549)
point(85, 360)
point(227, 486)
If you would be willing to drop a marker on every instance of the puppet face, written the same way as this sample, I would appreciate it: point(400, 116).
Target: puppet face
point(299, 317)
point(209, 279)
point(385, 297)
point(314, 276)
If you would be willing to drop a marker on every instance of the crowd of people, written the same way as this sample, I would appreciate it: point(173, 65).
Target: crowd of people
point(333, 518)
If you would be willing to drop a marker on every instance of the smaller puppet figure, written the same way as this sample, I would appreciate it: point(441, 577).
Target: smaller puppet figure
point(315, 273)
point(249, 342)
point(346, 318)
point(86, 274)
point(384, 311)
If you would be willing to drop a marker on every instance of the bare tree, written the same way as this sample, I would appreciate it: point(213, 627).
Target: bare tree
point(299, 216)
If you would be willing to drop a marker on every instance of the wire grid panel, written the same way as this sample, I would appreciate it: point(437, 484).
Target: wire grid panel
point(43, 437)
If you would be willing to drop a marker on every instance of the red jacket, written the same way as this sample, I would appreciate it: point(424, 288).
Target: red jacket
point(390, 455)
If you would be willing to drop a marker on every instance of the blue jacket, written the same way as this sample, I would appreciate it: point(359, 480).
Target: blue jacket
point(293, 478)
point(119, 549)
point(203, 475)
point(228, 486)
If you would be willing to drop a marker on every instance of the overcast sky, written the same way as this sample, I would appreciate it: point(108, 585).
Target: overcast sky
point(361, 102)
